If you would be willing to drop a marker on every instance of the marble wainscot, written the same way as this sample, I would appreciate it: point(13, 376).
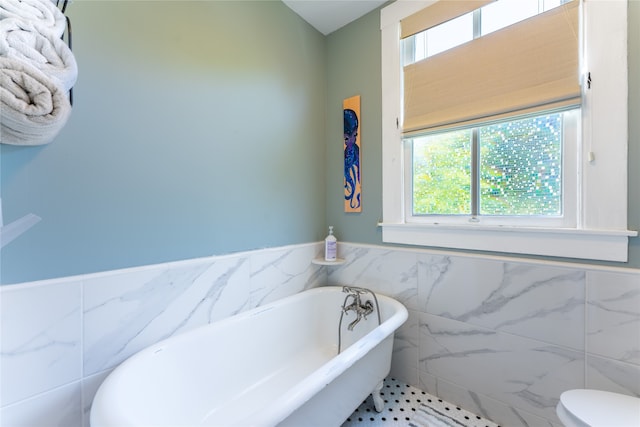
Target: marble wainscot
point(504, 337)
point(499, 336)
point(60, 338)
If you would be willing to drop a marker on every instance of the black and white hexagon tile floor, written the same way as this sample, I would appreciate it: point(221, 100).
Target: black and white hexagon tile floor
point(410, 407)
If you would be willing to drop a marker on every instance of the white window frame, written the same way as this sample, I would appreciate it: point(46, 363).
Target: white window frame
point(601, 224)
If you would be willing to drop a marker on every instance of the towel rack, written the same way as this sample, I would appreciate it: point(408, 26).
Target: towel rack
point(63, 9)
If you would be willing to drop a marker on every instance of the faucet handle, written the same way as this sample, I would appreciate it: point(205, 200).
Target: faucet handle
point(368, 308)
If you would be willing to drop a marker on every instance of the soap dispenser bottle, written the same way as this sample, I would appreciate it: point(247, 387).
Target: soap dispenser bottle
point(330, 246)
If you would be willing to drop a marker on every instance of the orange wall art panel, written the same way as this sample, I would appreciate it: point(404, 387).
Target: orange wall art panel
point(352, 149)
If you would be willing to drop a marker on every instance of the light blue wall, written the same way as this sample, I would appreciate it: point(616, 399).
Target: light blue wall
point(353, 68)
point(201, 128)
point(353, 55)
point(197, 129)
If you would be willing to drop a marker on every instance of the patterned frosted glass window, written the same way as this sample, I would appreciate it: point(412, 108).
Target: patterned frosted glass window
point(511, 168)
point(520, 167)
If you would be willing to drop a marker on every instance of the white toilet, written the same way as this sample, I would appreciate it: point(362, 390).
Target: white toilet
point(595, 408)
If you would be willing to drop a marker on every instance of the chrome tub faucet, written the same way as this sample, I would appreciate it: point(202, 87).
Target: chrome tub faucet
point(361, 310)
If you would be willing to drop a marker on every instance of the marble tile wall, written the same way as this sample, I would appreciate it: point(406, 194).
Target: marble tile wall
point(503, 337)
point(59, 339)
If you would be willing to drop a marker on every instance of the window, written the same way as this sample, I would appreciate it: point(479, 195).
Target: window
point(478, 23)
point(438, 39)
point(511, 172)
point(544, 179)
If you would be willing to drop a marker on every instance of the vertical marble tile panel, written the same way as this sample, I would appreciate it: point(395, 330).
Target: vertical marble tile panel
point(404, 362)
point(90, 387)
point(613, 315)
point(60, 407)
point(520, 372)
point(390, 272)
point(278, 273)
point(126, 312)
point(222, 290)
point(612, 375)
point(427, 382)
point(41, 338)
point(117, 309)
point(491, 409)
point(534, 301)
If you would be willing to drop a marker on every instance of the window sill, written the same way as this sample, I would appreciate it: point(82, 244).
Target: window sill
point(603, 245)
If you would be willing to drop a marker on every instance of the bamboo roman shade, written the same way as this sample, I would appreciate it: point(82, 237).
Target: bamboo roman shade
point(526, 67)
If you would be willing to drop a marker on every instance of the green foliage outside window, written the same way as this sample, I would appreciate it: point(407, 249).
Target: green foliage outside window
point(442, 174)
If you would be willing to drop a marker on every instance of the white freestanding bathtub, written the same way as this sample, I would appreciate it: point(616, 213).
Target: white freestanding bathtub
point(277, 364)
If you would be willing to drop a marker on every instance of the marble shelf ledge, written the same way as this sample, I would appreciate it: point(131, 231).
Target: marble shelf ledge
point(322, 261)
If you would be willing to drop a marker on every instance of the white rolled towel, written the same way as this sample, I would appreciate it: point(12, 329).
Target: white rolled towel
point(22, 40)
point(47, 18)
point(33, 107)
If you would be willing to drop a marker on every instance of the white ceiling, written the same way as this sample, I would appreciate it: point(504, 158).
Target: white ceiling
point(329, 15)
